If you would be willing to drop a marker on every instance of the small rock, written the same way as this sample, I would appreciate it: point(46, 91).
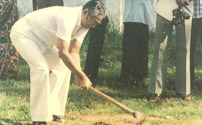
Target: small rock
point(169, 117)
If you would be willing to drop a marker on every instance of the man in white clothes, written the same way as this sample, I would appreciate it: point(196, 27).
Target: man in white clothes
point(49, 40)
point(138, 16)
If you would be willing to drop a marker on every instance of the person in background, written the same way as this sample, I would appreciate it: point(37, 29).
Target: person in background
point(138, 16)
point(49, 40)
point(95, 47)
point(167, 16)
point(38, 4)
point(8, 55)
point(196, 32)
point(96, 43)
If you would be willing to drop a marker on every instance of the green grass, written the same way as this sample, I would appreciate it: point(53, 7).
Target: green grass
point(14, 103)
point(87, 109)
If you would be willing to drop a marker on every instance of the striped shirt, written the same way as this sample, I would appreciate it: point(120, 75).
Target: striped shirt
point(197, 9)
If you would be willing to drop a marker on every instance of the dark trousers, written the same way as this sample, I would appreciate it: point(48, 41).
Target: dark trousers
point(96, 42)
point(135, 52)
point(196, 32)
point(38, 4)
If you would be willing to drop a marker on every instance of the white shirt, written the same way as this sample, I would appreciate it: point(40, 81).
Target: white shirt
point(165, 8)
point(51, 23)
point(141, 11)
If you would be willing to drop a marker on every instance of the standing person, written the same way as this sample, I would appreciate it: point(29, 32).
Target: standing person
point(49, 39)
point(95, 47)
point(138, 16)
point(196, 32)
point(96, 43)
point(38, 4)
point(164, 25)
point(8, 54)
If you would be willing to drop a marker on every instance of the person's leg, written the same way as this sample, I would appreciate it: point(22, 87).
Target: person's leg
point(39, 76)
point(127, 69)
point(159, 63)
point(183, 37)
point(25, 43)
point(8, 55)
point(41, 4)
point(59, 81)
point(200, 29)
point(96, 42)
point(34, 4)
point(194, 36)
point(55, 3)
point(140, 58)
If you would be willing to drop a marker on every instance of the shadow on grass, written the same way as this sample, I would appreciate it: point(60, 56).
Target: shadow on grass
point(80, 100)
point(12, 122)
point(19, 92)
point(14, 89)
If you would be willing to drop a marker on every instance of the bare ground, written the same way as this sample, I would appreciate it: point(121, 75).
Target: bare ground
point(125, 119)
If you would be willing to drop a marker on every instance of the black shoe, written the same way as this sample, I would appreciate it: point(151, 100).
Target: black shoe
point(39, 123)
point(154, 98)
point(58, 119)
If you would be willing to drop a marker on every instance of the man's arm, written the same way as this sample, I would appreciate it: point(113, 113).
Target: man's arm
point(74, 51)
point(70, 57)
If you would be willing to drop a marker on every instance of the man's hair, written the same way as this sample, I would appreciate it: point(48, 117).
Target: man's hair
point(95, 8)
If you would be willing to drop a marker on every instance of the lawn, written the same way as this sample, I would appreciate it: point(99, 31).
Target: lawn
point(85, 108)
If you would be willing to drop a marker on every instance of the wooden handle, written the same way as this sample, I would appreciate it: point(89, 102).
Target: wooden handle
point(111, 100)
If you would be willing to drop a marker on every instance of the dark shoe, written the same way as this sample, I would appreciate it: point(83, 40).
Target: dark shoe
point(139, 118)
point(58, 119)
point(154, 98)
point(39, 123)
point(184, 97)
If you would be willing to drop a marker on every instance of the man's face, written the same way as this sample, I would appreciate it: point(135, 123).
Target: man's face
point(89, 21)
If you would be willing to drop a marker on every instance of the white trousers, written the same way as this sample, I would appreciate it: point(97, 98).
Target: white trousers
point(48, 91)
